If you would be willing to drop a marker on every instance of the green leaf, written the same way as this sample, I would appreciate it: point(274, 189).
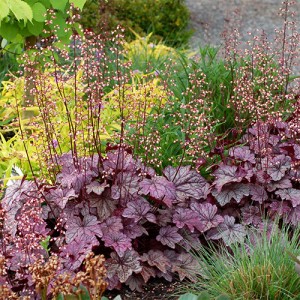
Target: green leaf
point(35, 28)
point(59, 24)
point(45, 243)
point(20, 9)
point(9, 31)
point(4, 10)
point(39, 12)
point(59, 5)
point(188, 296)
point(78, 3)
point(223, 297)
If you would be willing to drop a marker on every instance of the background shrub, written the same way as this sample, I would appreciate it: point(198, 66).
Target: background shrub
point(167, 19)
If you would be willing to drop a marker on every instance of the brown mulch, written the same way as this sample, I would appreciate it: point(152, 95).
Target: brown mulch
point(154, 290)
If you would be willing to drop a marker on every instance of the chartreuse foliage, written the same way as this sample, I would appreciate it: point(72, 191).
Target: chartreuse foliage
point(260, 268)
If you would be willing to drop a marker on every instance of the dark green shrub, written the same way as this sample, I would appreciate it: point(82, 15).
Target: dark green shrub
point(167, 19)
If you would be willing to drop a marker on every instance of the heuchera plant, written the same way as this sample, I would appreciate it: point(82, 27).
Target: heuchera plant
point(142, 222)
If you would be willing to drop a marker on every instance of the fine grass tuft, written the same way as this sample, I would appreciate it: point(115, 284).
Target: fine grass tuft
point(261, 268)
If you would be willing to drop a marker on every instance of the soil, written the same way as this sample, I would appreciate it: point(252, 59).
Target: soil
point(154, 290)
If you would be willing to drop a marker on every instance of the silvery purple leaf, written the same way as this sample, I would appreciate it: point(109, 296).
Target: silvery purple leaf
point(123, 266)
point(169, 236)
point(112, 224)
point(133, 229)
point(80, 228)
point(188, 183)
point(186, 217)
point(258, 193)
point(228, 231)
point(186, 266)
point(242, 153)
point(233, 191)
point(291, 194)
point(297, 151)
point(277, 166)
point(251, 215)
point(207, 214)
point(156, 258)
point(283, 183)
point(126, 186)
point(104, 204)
point(135, 283)
point(74, 253)
point(227, 174)
point(96, 187)
point(279, 208)
point(147, 273)
point(159, 188)
point(139, 209)
point(119, 160)
point(118, 241)
point(294, 216)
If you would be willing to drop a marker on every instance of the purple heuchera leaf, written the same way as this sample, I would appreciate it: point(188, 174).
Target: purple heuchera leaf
point(228, 231)
point(96, 187)
point(279, 208)
point(119, 160)
point(291, 194)
point(227, 174)
point(169, 236)
point(156, 258)
point(297, 151)
point(104, 204)
point(258, 193)
point(159, 188)
point(188, 183)
point(147, 273)
point(294, 216)
point(185, 216)
point(80, 228)
point(242, 153)
point(126, 186)
point(18, 193)
point(277, 166)
point(123, 266)
point(135, 282)
point(139, 209)
point(208, 217)
point(251, 215)
point(133, 229)
point(60, 196)
point(118, 241)
point(283, 183)
point(112, 224)
point(73, 254)
point(233, 191)
point(186, 266)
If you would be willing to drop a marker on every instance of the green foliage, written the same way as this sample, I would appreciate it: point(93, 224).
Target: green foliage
point(20, 19)
point(202, 296)
point(167, 19)
point(261, 268)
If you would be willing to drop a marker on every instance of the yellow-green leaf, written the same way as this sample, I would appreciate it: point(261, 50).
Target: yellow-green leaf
point(60, 5)
point(78, 3)
point(4, 9)
point(20, 9)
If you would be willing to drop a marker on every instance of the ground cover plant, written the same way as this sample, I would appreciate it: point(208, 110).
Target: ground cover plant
point(260, 268)
point(116, 150)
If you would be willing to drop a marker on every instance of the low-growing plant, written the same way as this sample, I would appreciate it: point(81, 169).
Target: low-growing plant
point(260, 268)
